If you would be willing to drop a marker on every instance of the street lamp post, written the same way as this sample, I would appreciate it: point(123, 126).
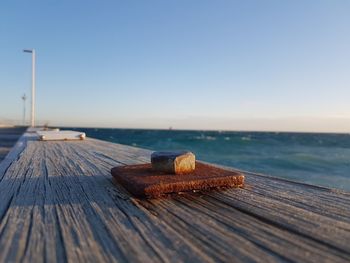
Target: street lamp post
point(32, 119)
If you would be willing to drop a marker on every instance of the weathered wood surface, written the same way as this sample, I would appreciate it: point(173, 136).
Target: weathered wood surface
point(8, 137)
point(58, 203)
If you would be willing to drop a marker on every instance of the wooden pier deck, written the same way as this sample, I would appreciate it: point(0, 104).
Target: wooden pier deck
point(59, 204)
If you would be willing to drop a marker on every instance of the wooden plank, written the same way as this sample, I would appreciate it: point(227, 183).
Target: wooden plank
point(8, 138)
point(13, 154)
point(59, 204)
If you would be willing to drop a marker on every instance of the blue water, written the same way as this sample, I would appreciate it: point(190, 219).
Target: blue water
point(321, 159)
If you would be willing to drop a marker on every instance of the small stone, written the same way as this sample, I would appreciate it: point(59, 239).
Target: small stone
point(181, 162)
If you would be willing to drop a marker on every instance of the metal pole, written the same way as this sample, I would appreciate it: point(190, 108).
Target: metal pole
point(33, 89)
point(32, 118)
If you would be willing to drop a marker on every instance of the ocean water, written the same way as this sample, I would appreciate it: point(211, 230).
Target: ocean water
point(321, 159)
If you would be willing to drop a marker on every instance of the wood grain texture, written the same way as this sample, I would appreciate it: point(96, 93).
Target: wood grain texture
point(59, 204)
point(8, 138)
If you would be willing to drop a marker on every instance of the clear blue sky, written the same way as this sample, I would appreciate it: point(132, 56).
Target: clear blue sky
point(261, 65)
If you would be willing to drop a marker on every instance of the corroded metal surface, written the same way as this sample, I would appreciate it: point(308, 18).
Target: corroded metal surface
point(143, 181)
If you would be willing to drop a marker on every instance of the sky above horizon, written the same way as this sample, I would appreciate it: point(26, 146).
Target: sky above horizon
point(241, 65)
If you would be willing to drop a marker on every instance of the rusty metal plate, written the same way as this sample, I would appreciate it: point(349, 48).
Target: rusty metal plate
point(142, 181)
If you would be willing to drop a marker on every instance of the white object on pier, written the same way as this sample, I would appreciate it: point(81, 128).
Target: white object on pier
point(60, 135)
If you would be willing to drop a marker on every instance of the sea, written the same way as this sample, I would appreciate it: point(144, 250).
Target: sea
point(314, 158)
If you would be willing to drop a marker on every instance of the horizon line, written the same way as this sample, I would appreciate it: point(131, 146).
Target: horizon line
point(204, 130)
